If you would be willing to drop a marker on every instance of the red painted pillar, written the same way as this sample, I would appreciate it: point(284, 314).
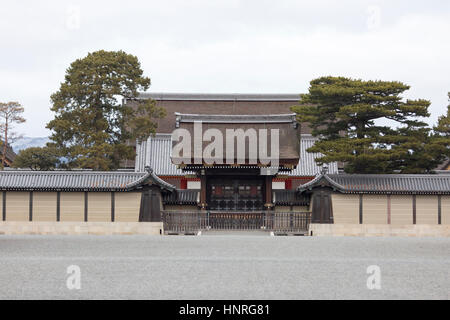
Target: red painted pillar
point(203, 203)
point(268, 188)
point(183, 184)
point(288, 184)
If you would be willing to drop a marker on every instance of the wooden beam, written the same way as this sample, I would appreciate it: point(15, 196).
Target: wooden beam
point(4, 206)
point(58, 206)
point(268, 188)
point(439, 209)
point(85, 206)
point(203, 203)
point(113, 205)
point(389, 209)
point(360, 209)
point(30, 213)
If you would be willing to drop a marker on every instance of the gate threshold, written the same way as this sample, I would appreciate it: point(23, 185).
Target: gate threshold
point(296, 234)
point(236, 233)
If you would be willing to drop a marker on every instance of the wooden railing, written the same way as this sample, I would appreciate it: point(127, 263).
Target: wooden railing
point(288, 221)
point(184, 221)
point(193, 221)
point(229, 220)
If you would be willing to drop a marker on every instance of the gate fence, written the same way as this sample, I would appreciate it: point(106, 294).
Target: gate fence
point(193, 221)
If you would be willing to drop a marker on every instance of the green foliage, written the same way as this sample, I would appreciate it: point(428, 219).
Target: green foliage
point(36, 158)
point(352, 116)
point(10, 114)
point(92, 126)
point(442, 133)
point(443, 126)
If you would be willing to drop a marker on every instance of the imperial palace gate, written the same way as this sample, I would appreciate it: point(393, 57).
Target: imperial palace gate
point(238, 195)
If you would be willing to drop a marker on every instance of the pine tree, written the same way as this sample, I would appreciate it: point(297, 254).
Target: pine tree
point(367, 125)
point(443, 126)
point(10, 113)
point(442, 134)
point(37, 158)
point(91, 125)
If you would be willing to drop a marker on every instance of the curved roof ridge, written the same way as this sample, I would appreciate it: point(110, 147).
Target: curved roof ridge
point(400, 175)
point(236, 115)
point(384, 183)
point(295, 97)
point(67, 172)
point(235, 118)
point(78, 180)
point(316, 180)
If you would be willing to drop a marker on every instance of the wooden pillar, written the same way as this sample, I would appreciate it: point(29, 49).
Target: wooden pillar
point(86, 201)
point(58, 206)
point(288, 184)
point(360, 209)
point(4, 206)
point(388, 209)
point(268, 196)
point(183, 183)
point(313, 206)
point(439, 209)
point(113, 206)
point(203, 203)
point(268, 202)
point(30, 213)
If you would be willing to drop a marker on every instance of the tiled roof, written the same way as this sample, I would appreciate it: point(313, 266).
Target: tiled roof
point(182, 197)
point(280, 197)
point(295, 97)
point(155, 152)
point(256, 126)
point(77, 180)
point(235, 118)
point(289, 198)
point(383, 183)
point(307, 166)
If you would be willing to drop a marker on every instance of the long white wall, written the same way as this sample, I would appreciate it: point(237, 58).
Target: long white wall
point(390, 209)
point(42, 206)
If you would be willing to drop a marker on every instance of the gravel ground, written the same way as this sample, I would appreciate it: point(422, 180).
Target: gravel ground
point(223, 267)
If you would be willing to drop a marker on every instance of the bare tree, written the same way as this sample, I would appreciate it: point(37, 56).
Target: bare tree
point(10, 113)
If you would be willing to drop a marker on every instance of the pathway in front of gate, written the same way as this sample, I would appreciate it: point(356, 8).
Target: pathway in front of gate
point(235, 233)
point(224, 267)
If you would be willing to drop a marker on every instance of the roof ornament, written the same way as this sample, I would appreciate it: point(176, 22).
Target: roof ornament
point(148, 169)
point(294, 121)
point(177, 119)
point(324, 169)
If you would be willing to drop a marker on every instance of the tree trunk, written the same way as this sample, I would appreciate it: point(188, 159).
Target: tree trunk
point(5, 143)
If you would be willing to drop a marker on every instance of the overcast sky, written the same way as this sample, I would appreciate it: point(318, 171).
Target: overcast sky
point(226, 46)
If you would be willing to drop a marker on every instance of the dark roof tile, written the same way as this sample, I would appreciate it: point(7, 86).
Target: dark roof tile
point(77, 180)
point(295, 97)
point(289, 198)
point(188, 196)
point(383, 183)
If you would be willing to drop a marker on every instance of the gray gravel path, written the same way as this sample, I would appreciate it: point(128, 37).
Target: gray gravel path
point(223, 267)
